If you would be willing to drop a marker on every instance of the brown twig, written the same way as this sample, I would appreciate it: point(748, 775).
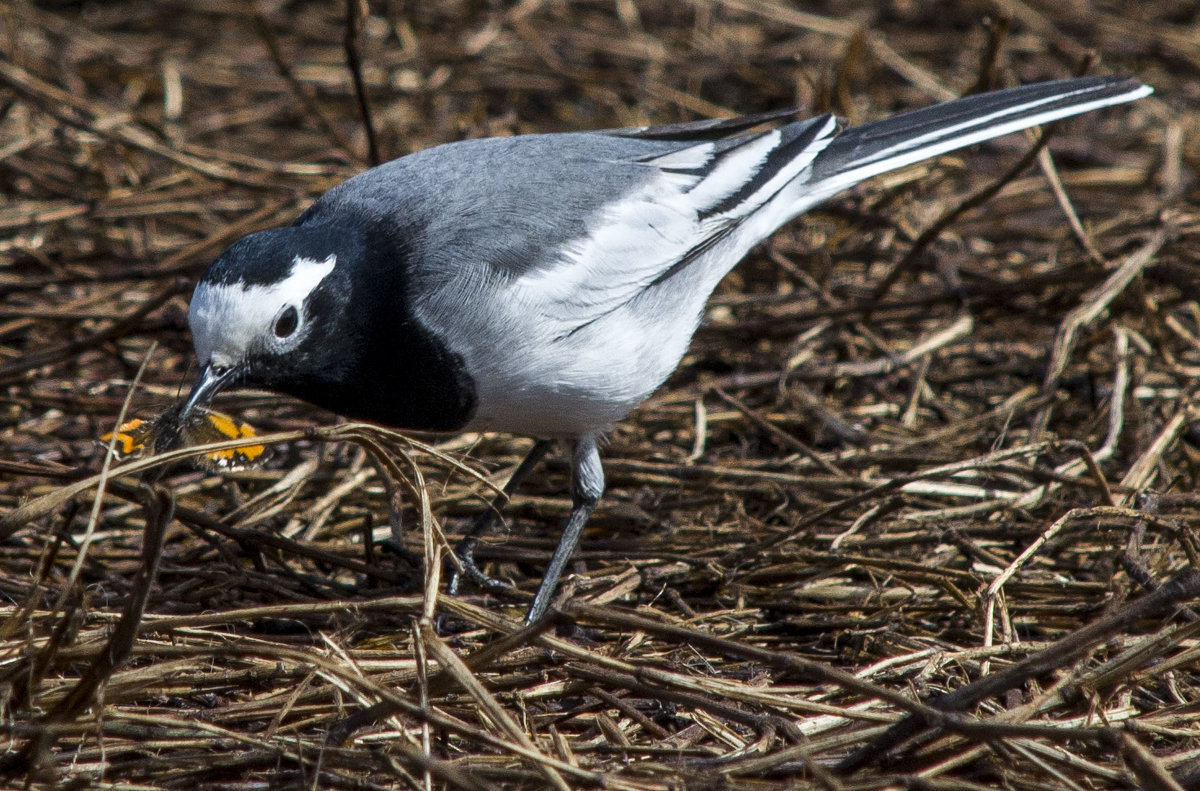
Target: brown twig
point(356, 13)
point(1182, 587)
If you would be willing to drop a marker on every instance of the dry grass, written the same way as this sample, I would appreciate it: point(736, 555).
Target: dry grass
point(939, 534)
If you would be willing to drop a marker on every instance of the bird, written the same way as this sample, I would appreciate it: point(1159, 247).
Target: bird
point(546, 284)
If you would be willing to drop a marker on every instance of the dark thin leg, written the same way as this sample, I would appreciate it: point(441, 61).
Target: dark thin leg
point(587, 484)
point(395, 544)
point(483, 523)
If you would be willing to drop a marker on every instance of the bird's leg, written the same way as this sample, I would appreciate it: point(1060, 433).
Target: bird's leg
point(587, 484)
point(483, 523)
point(395, 500)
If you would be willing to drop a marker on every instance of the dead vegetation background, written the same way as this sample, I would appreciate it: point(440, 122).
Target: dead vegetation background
point(919, 509)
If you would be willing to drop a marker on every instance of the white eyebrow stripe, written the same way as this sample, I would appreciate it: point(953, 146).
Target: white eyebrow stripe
point(306, 275)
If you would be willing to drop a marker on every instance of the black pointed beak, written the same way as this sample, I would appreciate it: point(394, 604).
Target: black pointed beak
point(212, 379)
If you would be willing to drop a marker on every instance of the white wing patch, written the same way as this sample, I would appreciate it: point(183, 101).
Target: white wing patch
point(634, 241)
point(638, 239)
point(732, 171)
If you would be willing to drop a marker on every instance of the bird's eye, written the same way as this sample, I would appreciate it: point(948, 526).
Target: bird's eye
point(287, 322)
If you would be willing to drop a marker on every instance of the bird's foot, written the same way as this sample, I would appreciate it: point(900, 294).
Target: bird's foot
point(467, 569)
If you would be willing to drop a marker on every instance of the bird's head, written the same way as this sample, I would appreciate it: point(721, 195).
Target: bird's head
point(266, 310)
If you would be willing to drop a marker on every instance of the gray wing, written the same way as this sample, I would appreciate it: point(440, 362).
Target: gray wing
point(516, 204)
point(588, 220)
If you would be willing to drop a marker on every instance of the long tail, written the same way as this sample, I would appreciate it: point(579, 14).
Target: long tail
point(879, 146)
point(813, 160)
point(742, 186)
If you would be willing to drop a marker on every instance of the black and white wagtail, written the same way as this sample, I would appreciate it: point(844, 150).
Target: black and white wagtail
point(545, 285)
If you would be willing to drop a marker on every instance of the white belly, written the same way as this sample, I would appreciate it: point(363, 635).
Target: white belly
point(582, 382)
point(535, 377)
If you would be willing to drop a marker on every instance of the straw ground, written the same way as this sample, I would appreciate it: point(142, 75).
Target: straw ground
point(919, 510)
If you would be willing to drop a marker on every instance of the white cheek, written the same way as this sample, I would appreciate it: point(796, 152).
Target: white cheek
point(230, 320)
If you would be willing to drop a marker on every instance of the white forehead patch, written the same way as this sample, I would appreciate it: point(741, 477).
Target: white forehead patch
point(228, 319)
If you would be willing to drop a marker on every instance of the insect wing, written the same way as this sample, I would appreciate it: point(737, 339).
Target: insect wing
point(132, 437)
point(205, 426)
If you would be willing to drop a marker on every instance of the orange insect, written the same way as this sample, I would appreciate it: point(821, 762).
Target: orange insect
point(201, 427)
